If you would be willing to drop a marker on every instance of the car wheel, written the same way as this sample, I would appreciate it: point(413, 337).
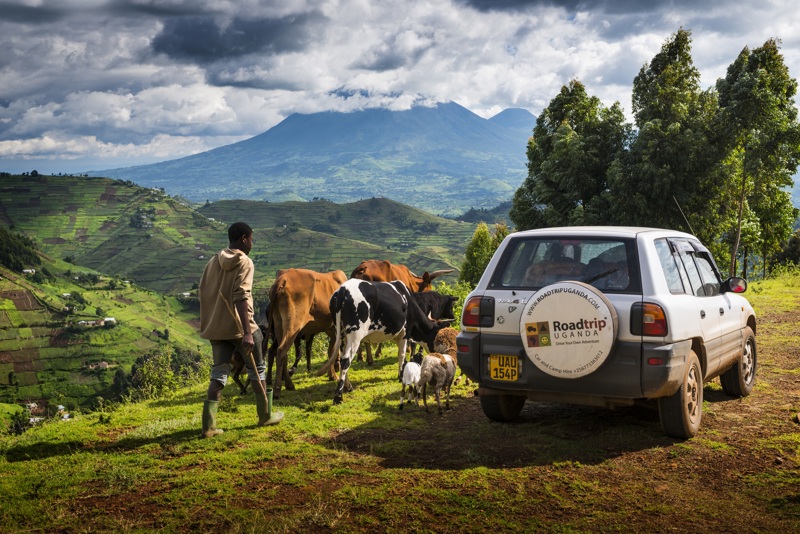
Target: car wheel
point(502, 408)
point(738, 381)
point(681, 412)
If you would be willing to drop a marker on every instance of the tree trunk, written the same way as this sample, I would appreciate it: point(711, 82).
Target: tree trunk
point(744, 263)
point(739, 217)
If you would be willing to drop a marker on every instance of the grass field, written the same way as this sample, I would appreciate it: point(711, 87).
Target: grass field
point(365, 466)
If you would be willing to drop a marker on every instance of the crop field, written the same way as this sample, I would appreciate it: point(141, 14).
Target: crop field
point(125, 231)
point(48, 360)
point(399, 229)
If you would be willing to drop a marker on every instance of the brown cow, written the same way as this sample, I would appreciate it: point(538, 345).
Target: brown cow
point(299, 304)
point(384, 271)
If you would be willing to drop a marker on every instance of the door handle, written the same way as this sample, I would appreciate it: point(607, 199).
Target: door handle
point(722, 311)
point(702, 314)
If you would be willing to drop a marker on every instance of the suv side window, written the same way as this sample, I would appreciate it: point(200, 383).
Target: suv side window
point(685, 256)
point(668, 264)
point(711, 285)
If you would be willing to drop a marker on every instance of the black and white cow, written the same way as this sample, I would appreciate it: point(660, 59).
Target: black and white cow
point(436, 305)
point(375, 312)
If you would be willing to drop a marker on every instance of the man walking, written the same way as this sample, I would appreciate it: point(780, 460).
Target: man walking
point(227, 321)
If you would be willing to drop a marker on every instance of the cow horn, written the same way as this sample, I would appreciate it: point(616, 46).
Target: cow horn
point(434, 274)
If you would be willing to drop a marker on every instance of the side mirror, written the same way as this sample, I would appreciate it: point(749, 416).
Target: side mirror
point(735, 284)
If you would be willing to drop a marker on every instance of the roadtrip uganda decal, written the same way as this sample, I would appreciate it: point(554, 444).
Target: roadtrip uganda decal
point(568, 329)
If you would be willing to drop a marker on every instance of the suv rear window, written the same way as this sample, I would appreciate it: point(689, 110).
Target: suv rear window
point(533, 262)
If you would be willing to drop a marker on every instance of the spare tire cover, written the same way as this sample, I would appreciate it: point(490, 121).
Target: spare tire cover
point(568, 329)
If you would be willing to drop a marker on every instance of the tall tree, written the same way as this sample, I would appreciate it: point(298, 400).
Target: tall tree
point(478, 253)
point(574, 143)
point(671, 176)
point(758, 121)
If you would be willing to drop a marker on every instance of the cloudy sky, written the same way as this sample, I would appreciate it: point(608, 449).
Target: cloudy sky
point(99, 84)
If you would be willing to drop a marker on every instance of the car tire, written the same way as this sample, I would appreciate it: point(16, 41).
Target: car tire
point(502, 408)
point(581, 310)
point(681, 412)
point(738, 381)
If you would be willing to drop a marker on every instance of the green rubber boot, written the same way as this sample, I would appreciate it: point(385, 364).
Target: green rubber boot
point(210, 420)
point(264, 408)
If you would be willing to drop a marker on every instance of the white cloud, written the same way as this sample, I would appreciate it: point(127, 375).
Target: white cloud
point(86, 81)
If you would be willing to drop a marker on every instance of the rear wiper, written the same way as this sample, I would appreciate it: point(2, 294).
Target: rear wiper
point(597, 277)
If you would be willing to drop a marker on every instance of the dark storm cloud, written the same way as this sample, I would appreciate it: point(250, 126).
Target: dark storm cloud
point(391, 54)
point(30, 15)
point(201, 39)
point(45, 14)
point(125, 7)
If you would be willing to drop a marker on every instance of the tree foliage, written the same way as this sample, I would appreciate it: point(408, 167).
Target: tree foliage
point(478, 254)
point(17, 252)
point(790, 252)
point(669, 176)
point(760, 132)
point(159, 374)
point(712, 162)
point(480, 251)
point(575, 141)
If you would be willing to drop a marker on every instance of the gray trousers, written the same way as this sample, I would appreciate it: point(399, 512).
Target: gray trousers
point(222, 351)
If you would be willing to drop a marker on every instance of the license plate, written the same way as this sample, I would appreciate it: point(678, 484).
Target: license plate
point(503, 367)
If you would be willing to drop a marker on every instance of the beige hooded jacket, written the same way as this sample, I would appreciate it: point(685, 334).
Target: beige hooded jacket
point(227, 279)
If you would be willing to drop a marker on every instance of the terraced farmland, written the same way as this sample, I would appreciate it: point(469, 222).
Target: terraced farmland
point(45, 355)
point(338, 236)
point(143, 235)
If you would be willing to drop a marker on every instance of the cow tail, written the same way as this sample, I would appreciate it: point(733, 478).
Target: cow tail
point(336, 309)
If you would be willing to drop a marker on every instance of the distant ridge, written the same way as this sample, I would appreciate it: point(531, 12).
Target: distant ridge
point(443, 159)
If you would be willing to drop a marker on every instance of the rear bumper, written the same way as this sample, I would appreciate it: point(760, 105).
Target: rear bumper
point(632, 371)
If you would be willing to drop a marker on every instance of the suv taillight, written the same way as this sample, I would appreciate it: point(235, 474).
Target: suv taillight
point(478, 311)
point(648, 319)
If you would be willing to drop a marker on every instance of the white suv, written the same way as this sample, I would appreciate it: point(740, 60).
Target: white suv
point(606, 316)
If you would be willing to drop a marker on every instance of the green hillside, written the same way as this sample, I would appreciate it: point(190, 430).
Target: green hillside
point(162, 243)
point(114, 227)
point(322, 235)
point(103, 241)
point(52, 343)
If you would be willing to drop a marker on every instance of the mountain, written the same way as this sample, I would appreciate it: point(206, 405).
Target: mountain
point(443, 159)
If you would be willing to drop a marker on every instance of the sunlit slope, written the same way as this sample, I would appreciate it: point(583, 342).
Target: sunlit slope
point(65, 357)
point(339, 236)
point(111, 226)
point(161, 243)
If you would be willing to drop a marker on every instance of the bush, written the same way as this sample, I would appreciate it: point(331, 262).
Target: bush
point(20, 421)
point(152, 376)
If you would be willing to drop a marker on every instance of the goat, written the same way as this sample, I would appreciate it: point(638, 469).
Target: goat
point(410, 378)
point(445, 343)
point(438, 370)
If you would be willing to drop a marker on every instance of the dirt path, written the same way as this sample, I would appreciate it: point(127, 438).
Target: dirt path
point(740, 474)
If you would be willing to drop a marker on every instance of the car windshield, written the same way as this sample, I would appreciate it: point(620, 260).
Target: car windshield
point(534, 262)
